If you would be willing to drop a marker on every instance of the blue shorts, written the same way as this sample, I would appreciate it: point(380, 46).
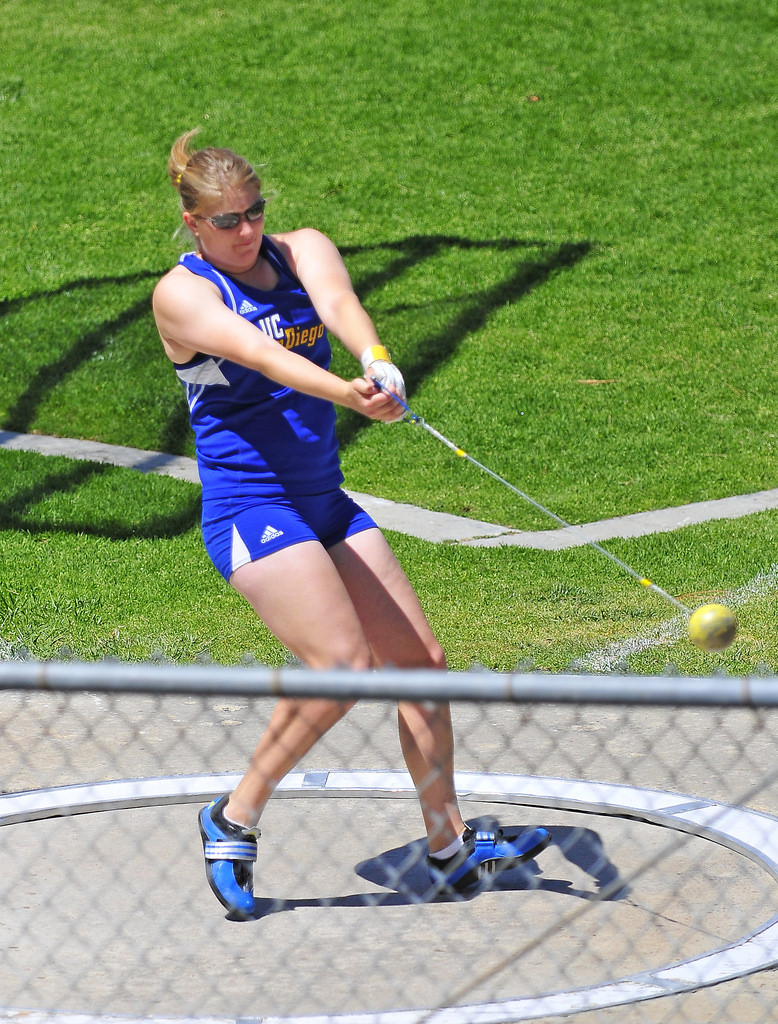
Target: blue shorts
point(238, 531)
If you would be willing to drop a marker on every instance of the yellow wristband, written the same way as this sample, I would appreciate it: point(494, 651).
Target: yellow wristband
point(371, 354)
point(375, 352)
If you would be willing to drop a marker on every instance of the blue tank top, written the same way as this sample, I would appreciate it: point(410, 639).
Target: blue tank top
point(253, 436)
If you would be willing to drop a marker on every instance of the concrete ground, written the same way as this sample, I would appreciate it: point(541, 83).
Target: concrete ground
point(110, 912)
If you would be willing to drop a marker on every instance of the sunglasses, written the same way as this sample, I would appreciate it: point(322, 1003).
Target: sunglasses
point(225, 221)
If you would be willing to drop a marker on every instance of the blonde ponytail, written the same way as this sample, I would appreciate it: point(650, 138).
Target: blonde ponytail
point(200, 176)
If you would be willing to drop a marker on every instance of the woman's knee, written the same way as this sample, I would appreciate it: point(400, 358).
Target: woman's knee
point(430, 656)
point(336, 652)
point(316, 714)
point(437, 657)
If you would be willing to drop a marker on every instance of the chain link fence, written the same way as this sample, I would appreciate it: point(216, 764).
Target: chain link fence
point(656, 900)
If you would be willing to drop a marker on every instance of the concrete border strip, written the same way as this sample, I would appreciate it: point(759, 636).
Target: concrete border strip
point(438, 527)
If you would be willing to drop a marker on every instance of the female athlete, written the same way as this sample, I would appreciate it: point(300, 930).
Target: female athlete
point(245, 319)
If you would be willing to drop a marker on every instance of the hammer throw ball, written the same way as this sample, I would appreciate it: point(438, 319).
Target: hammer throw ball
point(712, 627)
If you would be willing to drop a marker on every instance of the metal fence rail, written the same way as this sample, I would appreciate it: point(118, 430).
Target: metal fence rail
point(656, 901)
point(405, 684)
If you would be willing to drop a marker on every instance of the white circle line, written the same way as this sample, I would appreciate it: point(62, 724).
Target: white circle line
point(750, 833)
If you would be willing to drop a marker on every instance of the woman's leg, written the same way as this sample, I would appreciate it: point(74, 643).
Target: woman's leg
point(399, 635)
point(299, 595)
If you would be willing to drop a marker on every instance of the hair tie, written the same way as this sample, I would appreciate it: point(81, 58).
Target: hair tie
point(178, 179)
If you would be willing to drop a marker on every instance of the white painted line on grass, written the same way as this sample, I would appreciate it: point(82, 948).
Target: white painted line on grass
point(639, 524)
point(670, 632)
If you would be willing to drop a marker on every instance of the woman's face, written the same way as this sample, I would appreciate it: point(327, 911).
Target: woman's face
point(234, 249)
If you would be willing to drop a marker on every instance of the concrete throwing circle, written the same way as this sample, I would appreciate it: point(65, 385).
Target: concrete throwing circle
point(749, 833)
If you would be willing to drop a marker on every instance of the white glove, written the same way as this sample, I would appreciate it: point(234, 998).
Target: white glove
point(377, 363)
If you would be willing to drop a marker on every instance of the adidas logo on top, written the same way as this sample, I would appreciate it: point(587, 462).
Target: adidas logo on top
point(246, 307)
point(270, 534)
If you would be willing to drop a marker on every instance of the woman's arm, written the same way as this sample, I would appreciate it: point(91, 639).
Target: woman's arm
point(315, 260)
point(320, 267)
point(192, 318)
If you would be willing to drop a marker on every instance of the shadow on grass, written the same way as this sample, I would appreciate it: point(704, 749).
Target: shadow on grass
point(17, 504)
point(531, 264)
point(535, 263)
point(51, 375)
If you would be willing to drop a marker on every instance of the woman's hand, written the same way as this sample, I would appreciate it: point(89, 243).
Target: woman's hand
point(366, 398)
point(378, 365)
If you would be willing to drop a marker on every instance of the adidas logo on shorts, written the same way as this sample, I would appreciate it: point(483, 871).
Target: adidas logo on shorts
point(270, 534)
point(246, 307)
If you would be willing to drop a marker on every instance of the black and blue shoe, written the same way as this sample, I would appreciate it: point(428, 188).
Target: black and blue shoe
point(230, 852)
point(484, 853)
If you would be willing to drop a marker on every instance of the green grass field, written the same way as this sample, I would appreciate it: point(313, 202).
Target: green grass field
point(560, 216)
